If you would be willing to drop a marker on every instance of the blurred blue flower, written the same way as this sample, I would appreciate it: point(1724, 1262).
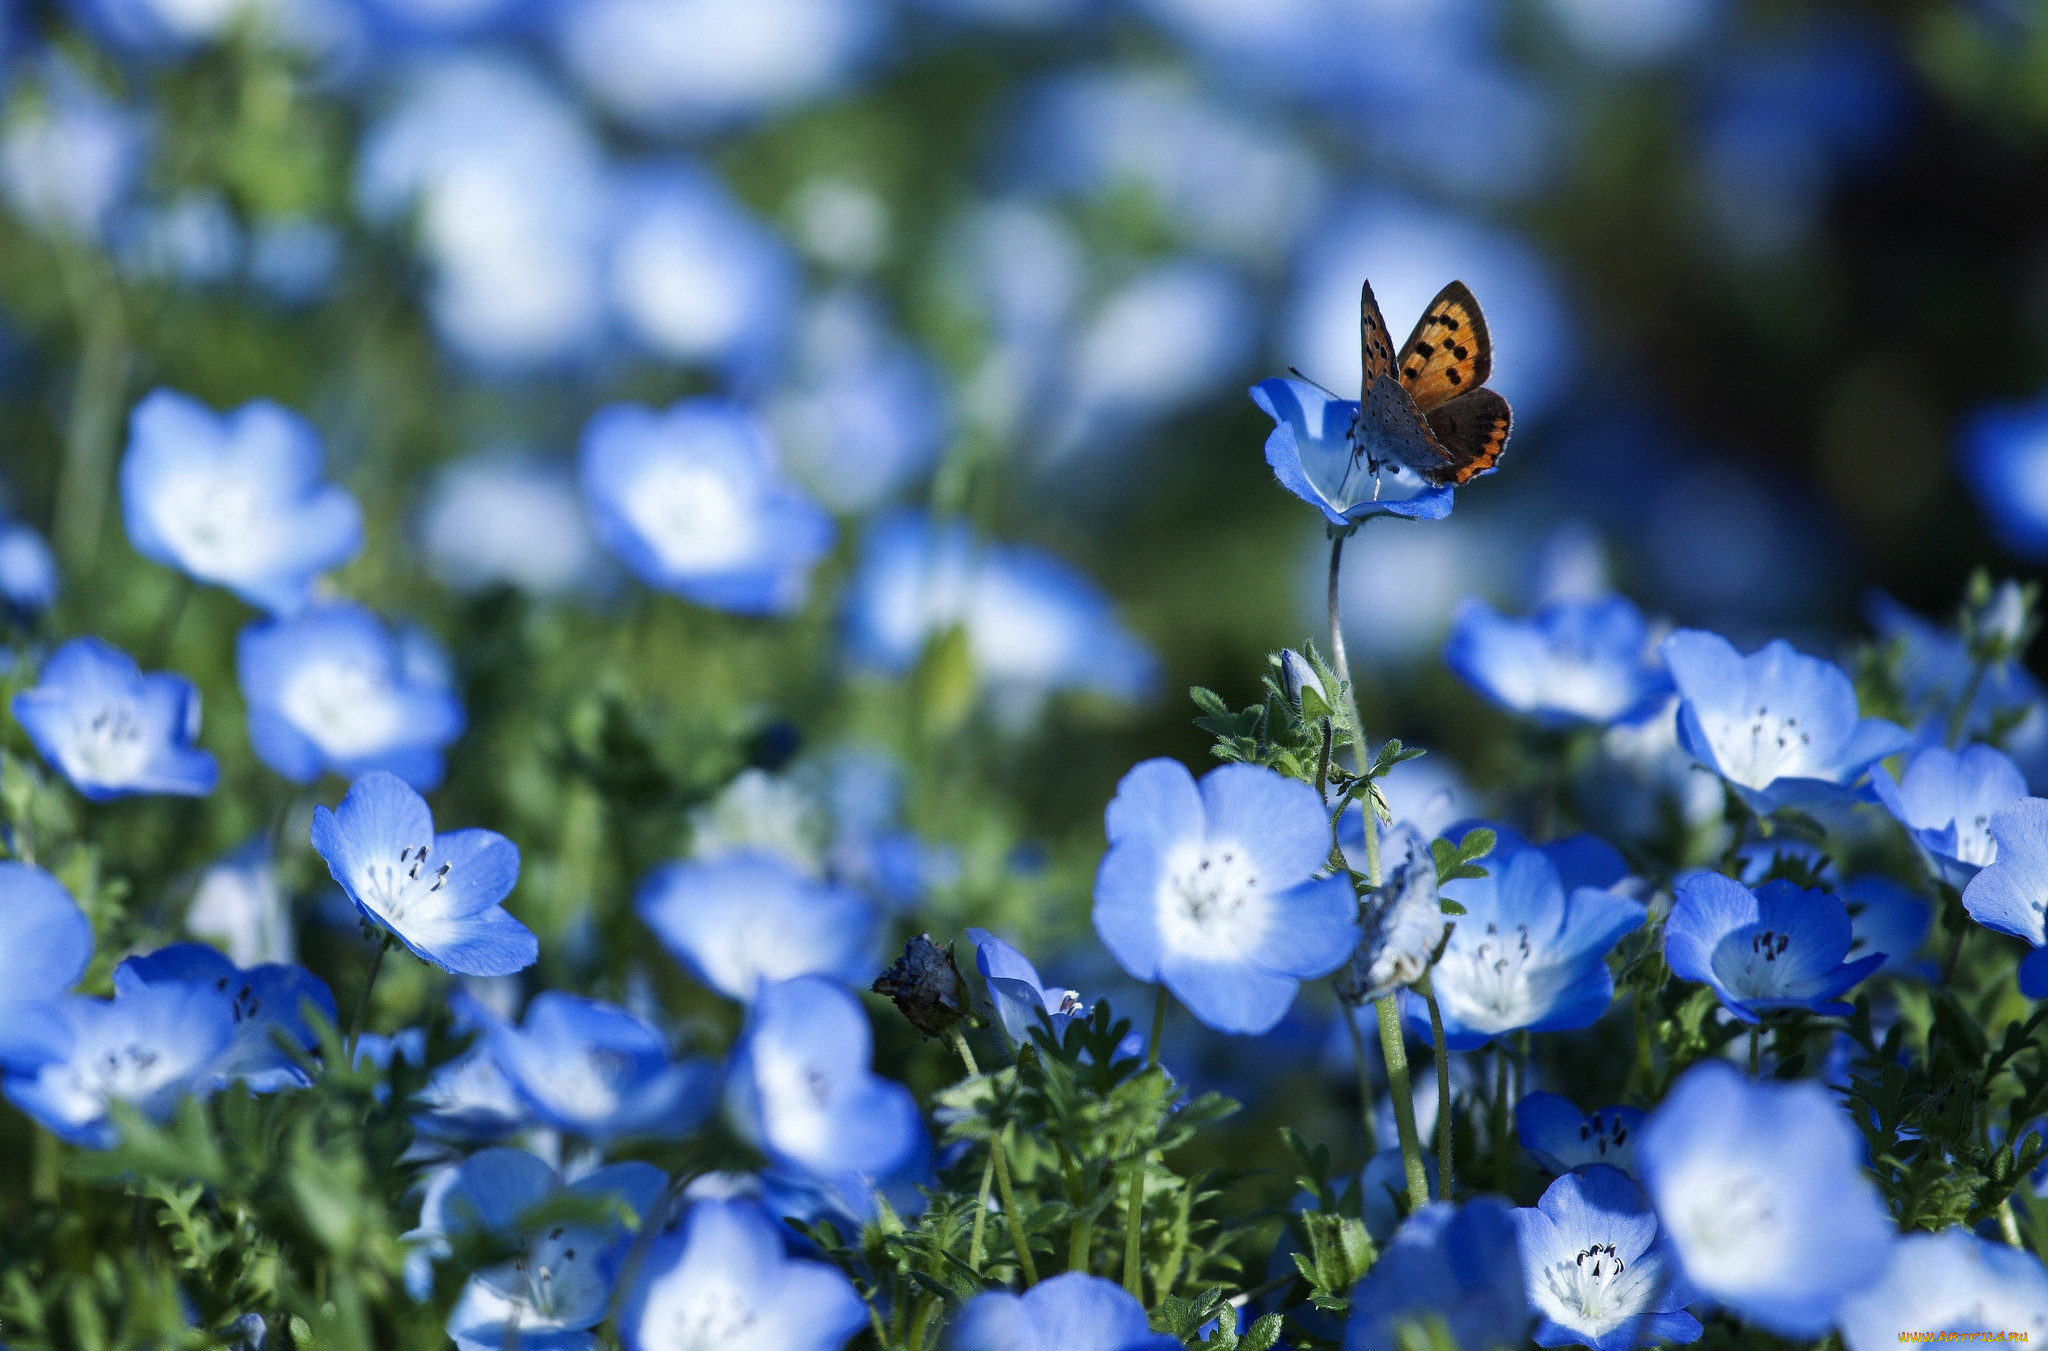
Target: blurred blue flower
point(1525, 954)
point(690, 500)
point(148, 1047)
point(71, 162)
point(1886, 919)
point(437, 894)
point(1311, 452)
point(1776, 947)
point(1762, 1194)
point(1459, 1264)
point(596, 1070)
point(692, 276)
point(722, 1277)
point(469, 1100)
point(293, 259)
point(1935, 668)
point(28, 573)
point(155, 28)
point(2004, 454)
point(2011, 894)
point(264, 1003)
point(330, 690)
point(1212, 890)
point(748, 919)
point(235, 499)
point(865, 414)
point(1019, 995)
point(800, 1087)
point(1780, 728)
point(507, 519)
point(436, 22)
point(1034, 624)
point(1572, 663)
point(193, 239)
point(1014, 14)
point(698, 65)
point(112, 730)
point(1952, 1281)
point(1598, 1273)
point(1561, 1138)
point(1946, 801)
point(45, 946)
point(1072, 1311)
point(1636, 32)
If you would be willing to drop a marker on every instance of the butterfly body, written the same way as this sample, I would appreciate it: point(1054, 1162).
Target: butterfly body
point(1426, 410)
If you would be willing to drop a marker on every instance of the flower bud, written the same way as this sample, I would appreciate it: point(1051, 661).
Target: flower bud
point(1298, 677)
point(2000, 621)
point(925, 985)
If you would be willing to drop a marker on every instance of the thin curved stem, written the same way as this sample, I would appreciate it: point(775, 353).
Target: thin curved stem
point(1134, 1226)
point(1016, 1221)
point(1158, 1029)
point(1444, 1143)
point(355, 1024)
point(1372, 1145)
point(1396, 1056)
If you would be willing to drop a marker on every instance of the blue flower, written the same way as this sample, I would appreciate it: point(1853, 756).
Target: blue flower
point(469, 1100)
point(1761, 1191)
point(1311, 452)
point(505, 519)
point(1525, 954)
point(2011, 895)
point(2004, 456)
point(1562, 1138)
point(1946, 801)
point(1213, 890)
point(1935, 670)
point(800, 1087)
point(148, 1047)
point(240, 904)
point(1019, 995)
point(1573, 663)
point(1599, 1275)
point(236, 499)
point(330, 690)
point(599, 1071)
point(263, 1002)
point(1887, 919)
point(113, 731)
point(1776, 947)
point(45, 946)
point(690, 500)
point(28, 573)
point(1952, 1282)
point(747, 919)
point(437, 894)
point(1780, 728)
point(723, 1278)
point(1070, 1312)
point(1458, 1264)
point(68, 165)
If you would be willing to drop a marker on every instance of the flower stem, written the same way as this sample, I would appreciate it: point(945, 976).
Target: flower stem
point(974, 1243)
point(1158, 1029)
point(1396, 1056)
point(1503, 1144)
point(1134, 1225)
point(1341, 664)
point(1755, 1048)
point(355, 1024)
point(1372, 1144)
point(1443, 1086)
point(1959, 716)
point(1016, 1221)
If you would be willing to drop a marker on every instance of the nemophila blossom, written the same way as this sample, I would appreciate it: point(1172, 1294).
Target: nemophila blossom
point(2011, 893)
point(721, 1276)
point(499, 518)
point(1936, 670)
point(690, 499)
point(1761, 1191)
point(1525, 954)
point(148, 1047)
point(70, 161)
point(1069, 1312)
point(600, 1071)
point(1886, 919)
point(1780, 728)
point(1562, 1138)
point(236, 499)
point(240, 905)
point(2004, 455)
point(745, 919)
point(437, 894)
point(1311, 451)
point(111, 729)
point(470, 1100)
point(330, 691)
point(1946, 800)
point(1599, 1275)
point(1457, 1264)
point(45, 946)
point(264, 1003)
point(800, 1086)
point(1020, 997)
point(29, 579)
point(1952, 1282)
point(1401, 922)
point(1212, 890)
point(1574, 663)
point(1776, 947)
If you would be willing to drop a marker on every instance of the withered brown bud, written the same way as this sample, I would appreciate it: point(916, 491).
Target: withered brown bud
point(926, 986)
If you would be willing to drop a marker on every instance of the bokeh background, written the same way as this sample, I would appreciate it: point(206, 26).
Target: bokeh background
point(1753, 268)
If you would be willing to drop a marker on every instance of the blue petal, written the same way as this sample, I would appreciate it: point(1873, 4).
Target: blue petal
point(1226, 994)
point(1278, 822)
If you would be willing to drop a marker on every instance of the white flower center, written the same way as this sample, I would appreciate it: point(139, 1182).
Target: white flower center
point(220, 525)
point(1496, 973)
point(107, 743)
point(1588, 684)
point(590, 1084)
point(798, 1095)
point(1728, 1227)
point(1759, 963)
point(694, 518)
point(128, 1073)
point(1974, 843)
point(1210, 899)
point(345, 708)
point(396, 890)
point(1606, 1137)
point(702, 1319)
point(1595, 1289)
point(1764, 748)
point(558, 1278)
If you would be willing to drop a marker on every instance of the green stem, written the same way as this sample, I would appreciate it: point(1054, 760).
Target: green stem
point(167, 627)
point(355, 1024)
point(1959, 716)
point(1016, 1221)
point(922, 1323)
point(1158, 1029)
point(1341, 664)
point(1443, 1086)
point(1396, 1056)
point(93, 423)
point(1503, 1142)
point(1372, 1144)
point(1134, 1225)
point(1755, 1048)
point(974, 1245)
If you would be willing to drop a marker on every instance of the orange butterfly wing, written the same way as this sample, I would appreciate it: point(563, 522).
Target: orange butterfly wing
point(1375, 344)
point(1471, 431)
point(1450, 351)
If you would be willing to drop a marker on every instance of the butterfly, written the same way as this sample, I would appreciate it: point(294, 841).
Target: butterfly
point(1425, 410)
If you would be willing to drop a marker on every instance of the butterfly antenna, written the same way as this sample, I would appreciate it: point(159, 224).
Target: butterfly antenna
point(1295, 371)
